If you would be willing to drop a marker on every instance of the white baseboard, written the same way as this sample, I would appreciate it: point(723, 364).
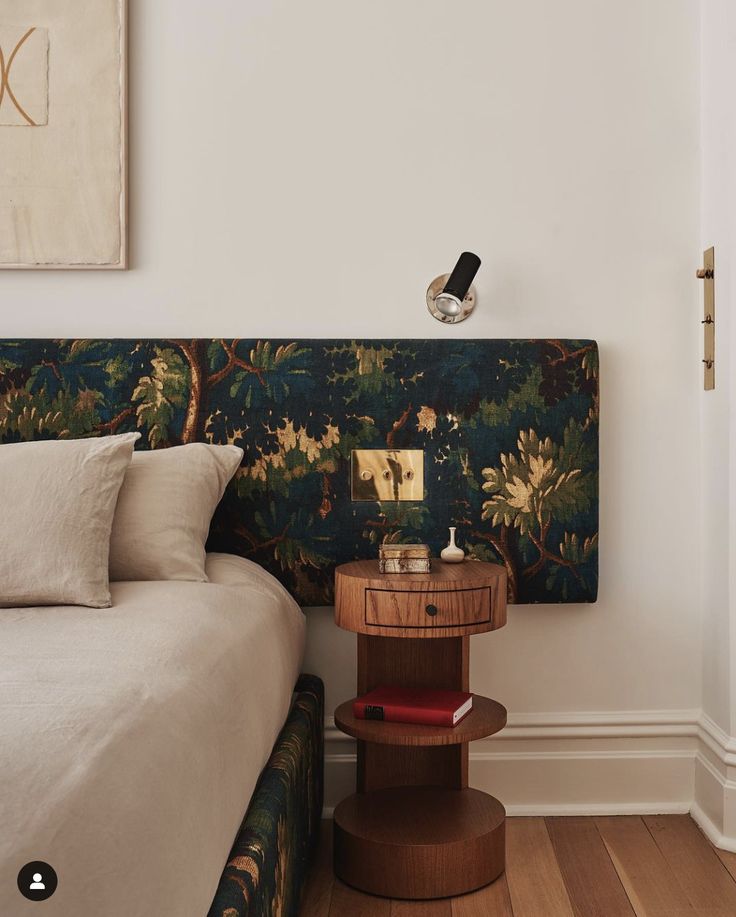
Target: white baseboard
point(714, 803)
point(710, 829)
point(592, 763)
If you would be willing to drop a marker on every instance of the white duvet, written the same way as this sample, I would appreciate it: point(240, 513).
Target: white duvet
point(131, 738)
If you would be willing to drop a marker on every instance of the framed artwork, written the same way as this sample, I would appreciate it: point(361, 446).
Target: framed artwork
point(63, 114)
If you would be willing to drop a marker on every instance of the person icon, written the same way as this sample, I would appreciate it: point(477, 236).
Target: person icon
point(37, 881)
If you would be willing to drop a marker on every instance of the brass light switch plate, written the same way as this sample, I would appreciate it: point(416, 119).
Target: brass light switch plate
point(387, 474)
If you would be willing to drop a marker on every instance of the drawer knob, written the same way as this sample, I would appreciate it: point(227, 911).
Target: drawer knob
point(431, 610)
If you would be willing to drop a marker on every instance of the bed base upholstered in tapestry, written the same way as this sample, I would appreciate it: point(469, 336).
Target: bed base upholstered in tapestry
point(267, 866)
point(509, 431)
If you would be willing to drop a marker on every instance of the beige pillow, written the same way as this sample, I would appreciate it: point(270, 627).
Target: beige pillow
point(58, 499)
point(164, 511)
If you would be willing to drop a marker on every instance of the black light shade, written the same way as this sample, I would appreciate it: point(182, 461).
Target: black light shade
point(462, 275)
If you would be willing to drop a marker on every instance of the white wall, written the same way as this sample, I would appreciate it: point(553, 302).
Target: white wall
point(305, 169)
point(714, 794)
point(718, 227)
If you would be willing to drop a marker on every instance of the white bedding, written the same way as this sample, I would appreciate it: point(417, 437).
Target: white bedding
point(131, 738)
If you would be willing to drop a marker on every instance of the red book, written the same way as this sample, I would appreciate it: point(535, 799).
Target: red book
point(413, 705)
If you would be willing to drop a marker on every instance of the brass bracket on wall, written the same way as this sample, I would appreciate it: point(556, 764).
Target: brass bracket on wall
point(707, 274)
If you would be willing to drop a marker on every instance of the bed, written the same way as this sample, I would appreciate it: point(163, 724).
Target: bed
point(134, 739)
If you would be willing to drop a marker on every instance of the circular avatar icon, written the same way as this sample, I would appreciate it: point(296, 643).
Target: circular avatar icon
point(37, 881)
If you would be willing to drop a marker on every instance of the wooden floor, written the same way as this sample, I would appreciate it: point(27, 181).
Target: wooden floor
point(653, 866)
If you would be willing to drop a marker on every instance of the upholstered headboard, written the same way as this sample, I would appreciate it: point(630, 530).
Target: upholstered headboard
point(509, 430)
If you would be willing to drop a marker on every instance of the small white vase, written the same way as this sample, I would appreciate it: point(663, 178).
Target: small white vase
point(452, 554)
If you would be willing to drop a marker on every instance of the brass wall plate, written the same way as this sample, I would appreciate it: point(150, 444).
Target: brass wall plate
point(387, 474)
point(708, 274)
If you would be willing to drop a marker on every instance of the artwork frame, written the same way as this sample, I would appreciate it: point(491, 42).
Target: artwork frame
point(116, 213)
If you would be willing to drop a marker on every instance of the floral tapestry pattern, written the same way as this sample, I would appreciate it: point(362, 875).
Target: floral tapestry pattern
point(509, 430)
point(268, 864)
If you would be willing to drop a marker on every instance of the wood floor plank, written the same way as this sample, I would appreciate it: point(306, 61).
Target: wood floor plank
point(535, 883)
point(347, 902)
point(728, 859)
point(318, 887)
point(649, 880)
point(564, 867)
point(439, 908)
point(591, 880)
point(492, 901)
point(703, 877)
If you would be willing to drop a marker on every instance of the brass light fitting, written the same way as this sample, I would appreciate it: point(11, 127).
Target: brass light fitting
point(707, 274)
point(451, 297)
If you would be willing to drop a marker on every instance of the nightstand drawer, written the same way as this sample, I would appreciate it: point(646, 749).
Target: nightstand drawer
point(461, 607)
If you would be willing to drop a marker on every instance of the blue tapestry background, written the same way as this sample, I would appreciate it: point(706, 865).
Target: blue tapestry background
point(509, 429)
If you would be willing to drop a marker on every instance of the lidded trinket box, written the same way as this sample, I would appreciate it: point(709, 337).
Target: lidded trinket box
point(403, 558)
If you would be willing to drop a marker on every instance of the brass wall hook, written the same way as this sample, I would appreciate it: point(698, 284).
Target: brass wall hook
point(707, 274)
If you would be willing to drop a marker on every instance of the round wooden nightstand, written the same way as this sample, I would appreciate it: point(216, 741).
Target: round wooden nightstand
point(414, 829)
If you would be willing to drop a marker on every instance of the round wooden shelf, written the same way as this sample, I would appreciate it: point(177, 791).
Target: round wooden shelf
point(486, 718)
point(419, 841)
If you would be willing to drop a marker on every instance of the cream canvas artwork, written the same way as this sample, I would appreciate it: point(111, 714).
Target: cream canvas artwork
point(24, 76)
point(62, 134)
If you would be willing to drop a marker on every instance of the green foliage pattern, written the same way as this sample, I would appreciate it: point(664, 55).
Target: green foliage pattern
point(509, 430)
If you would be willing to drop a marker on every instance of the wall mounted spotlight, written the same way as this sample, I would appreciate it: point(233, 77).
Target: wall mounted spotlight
point(450, 297)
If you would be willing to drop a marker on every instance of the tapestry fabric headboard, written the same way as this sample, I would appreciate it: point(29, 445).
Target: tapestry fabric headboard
point(509, 430)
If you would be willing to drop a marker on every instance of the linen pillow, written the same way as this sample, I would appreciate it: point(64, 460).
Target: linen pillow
point(58, 500)
point(164, 511)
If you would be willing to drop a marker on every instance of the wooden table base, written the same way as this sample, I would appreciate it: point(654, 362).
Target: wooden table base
point(419, 841)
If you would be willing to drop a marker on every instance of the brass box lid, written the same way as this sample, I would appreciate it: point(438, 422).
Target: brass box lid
point(387, 551)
